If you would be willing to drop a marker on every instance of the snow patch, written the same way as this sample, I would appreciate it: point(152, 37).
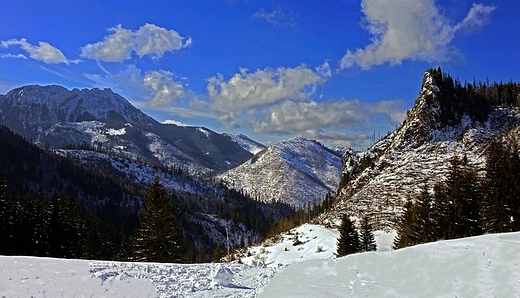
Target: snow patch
point(116, 132)
point(202, 130)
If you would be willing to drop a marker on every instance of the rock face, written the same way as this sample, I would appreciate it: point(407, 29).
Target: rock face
point(295, 171)
point(54, 117)
point(416, 155)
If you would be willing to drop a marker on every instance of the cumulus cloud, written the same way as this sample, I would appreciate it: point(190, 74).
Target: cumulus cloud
point(292, 117)
point(148, 40)
point(165, 91)
point(324, 70)
point(408, 29)
point(247, 91)
point(43, 51)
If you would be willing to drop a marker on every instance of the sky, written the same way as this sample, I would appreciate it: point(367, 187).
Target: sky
point(340, 72)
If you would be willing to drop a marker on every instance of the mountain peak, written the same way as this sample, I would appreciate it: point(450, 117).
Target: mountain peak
point(296, 171)
point(447, 119)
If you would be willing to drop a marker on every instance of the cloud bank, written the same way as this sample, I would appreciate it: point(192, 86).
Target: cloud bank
point(148, 40)
point(279, 101)
point(247, 91)
point(409, 29)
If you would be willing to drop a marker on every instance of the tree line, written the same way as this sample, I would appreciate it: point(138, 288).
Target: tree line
point(473, 99)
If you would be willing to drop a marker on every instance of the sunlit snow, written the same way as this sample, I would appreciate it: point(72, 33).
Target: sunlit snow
point(484, 266)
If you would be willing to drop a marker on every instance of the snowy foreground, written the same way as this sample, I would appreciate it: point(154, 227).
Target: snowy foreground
point(485, 266)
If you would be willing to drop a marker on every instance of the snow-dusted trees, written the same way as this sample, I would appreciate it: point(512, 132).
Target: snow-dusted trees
point(465, 205)
point(348, 241)
point(158, 239)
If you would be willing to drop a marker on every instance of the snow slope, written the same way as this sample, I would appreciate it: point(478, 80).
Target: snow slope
point(296, 171)
point(246, 143)
point(483, 266)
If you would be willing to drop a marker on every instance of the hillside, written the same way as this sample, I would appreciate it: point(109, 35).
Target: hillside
point(111, 188)
point(296, 171)
point(416, 155)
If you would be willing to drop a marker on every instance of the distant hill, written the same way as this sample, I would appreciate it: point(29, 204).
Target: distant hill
point(296, 171)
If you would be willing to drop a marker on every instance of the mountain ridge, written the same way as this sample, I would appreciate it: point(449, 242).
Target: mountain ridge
point(296, 171)
point(416, 155)
point(46, 114)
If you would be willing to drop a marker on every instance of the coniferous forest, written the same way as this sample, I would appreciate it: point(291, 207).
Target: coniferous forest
point(57, 207)
point(467, 204)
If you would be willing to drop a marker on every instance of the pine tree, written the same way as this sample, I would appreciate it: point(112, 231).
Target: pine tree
point(348, 241)
point(368, 241)
point(158, 239)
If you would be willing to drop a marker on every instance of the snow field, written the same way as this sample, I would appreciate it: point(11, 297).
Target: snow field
point(483, 266)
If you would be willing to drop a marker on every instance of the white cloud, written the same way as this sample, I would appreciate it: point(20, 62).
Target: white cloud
point(43, 51)
point(292, 117)
point(336, 138)
point(165, 91)
point(324, 70)
point(408, 29)
point(277, 17)
point(247, 91)
point(477, 16)
point(115, 47)
point(148, 40)
point(19, 56)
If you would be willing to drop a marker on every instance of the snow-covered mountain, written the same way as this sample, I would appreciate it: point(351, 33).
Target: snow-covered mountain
point(53, 116)
point(296, 171)
point(379, 180)
point(246, 143)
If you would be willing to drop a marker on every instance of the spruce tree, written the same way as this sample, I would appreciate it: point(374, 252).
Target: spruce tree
point(404, 226)
point(158, 239)
point(348, 241)
point(423, 226)
point(368, 241)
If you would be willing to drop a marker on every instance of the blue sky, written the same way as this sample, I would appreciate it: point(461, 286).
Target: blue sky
point(336, 71)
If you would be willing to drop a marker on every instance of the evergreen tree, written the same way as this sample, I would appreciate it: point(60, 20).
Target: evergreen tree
point(158, 239)
point(404, 226)
point(348, 241)
point(423, 226)
point(467, 204)
point(368, 241)
point(7, 223)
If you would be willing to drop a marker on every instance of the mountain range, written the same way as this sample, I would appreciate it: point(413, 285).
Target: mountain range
point(54, 117)
point(100, 129)
point(99, 119)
